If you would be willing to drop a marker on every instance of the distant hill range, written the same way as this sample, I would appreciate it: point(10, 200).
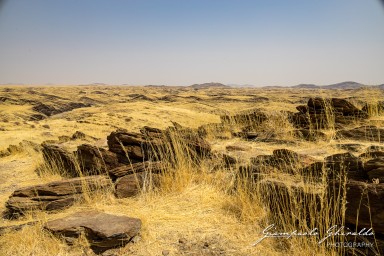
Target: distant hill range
point(209, 85)
point(343, 85)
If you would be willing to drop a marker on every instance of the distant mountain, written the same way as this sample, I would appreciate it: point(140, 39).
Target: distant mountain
point(343, 85)
point(241, 85)
point(209, 85)
point(306, 86)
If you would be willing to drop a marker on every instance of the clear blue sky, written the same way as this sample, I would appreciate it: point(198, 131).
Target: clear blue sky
point(181, 42)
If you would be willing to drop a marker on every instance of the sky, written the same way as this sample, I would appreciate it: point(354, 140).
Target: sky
point(183, 42)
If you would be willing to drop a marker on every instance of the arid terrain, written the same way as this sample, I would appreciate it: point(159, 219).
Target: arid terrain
point(198, 171)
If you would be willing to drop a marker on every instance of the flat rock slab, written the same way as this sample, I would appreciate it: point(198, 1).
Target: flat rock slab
point(103, 231)
point(54, 195)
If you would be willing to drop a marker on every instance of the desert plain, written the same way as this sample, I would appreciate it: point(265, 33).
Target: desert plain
point(203, 170)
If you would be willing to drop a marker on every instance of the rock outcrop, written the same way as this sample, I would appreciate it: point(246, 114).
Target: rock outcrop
point(152, 144)
point(248, 118)
point(54, 195)
point(374, 168)
point(364, 133)
point(60, 159)
point(322, 113)
point(103, 231)
point(132, 184)
point(94, 160)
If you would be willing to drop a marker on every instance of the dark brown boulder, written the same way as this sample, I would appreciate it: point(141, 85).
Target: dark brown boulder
point(283, 159)
point(129, 146)
point(60, 159)
point(78, 135)
point(132, 184)
point(54, 195)
point(253, 118)
point(155, 145)
point(326, 113)
point(153, 167)
point(364, 207)
point(94, 160)
point(302, 109)
point(286, 154)
point(299, 120)
point(338, 164)
point(314, 171)
point(103, 231)
point(334, 105)
point(335, 167)
point(229, 160)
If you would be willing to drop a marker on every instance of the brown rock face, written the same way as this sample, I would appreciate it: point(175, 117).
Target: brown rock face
point(335, 166)
point(131, 146)
point(153, 167)
point(321, 113)
point(364, 204)
point(342, 106)
point(56, 155)
point(375, 169)
point(155, 145)
point(131, 185)
point(283, 159)
point(309, 135)
point(367, 133)
point(95, 160)
point(103, 231)
point(54, 195)
point(250, 118)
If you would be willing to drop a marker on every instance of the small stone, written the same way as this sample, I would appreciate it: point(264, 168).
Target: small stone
point(165, 252)
point(182, 241)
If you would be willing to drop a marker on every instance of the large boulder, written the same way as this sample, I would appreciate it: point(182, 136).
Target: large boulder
point(153, 167)
point(335, 105)
point(335, 167)
point(131, 146)
point(154, 144)
point(58, 158)
point(320, 113)
point(54, 195)
point(364, 207)
point(103, 231)
point(94, 160)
